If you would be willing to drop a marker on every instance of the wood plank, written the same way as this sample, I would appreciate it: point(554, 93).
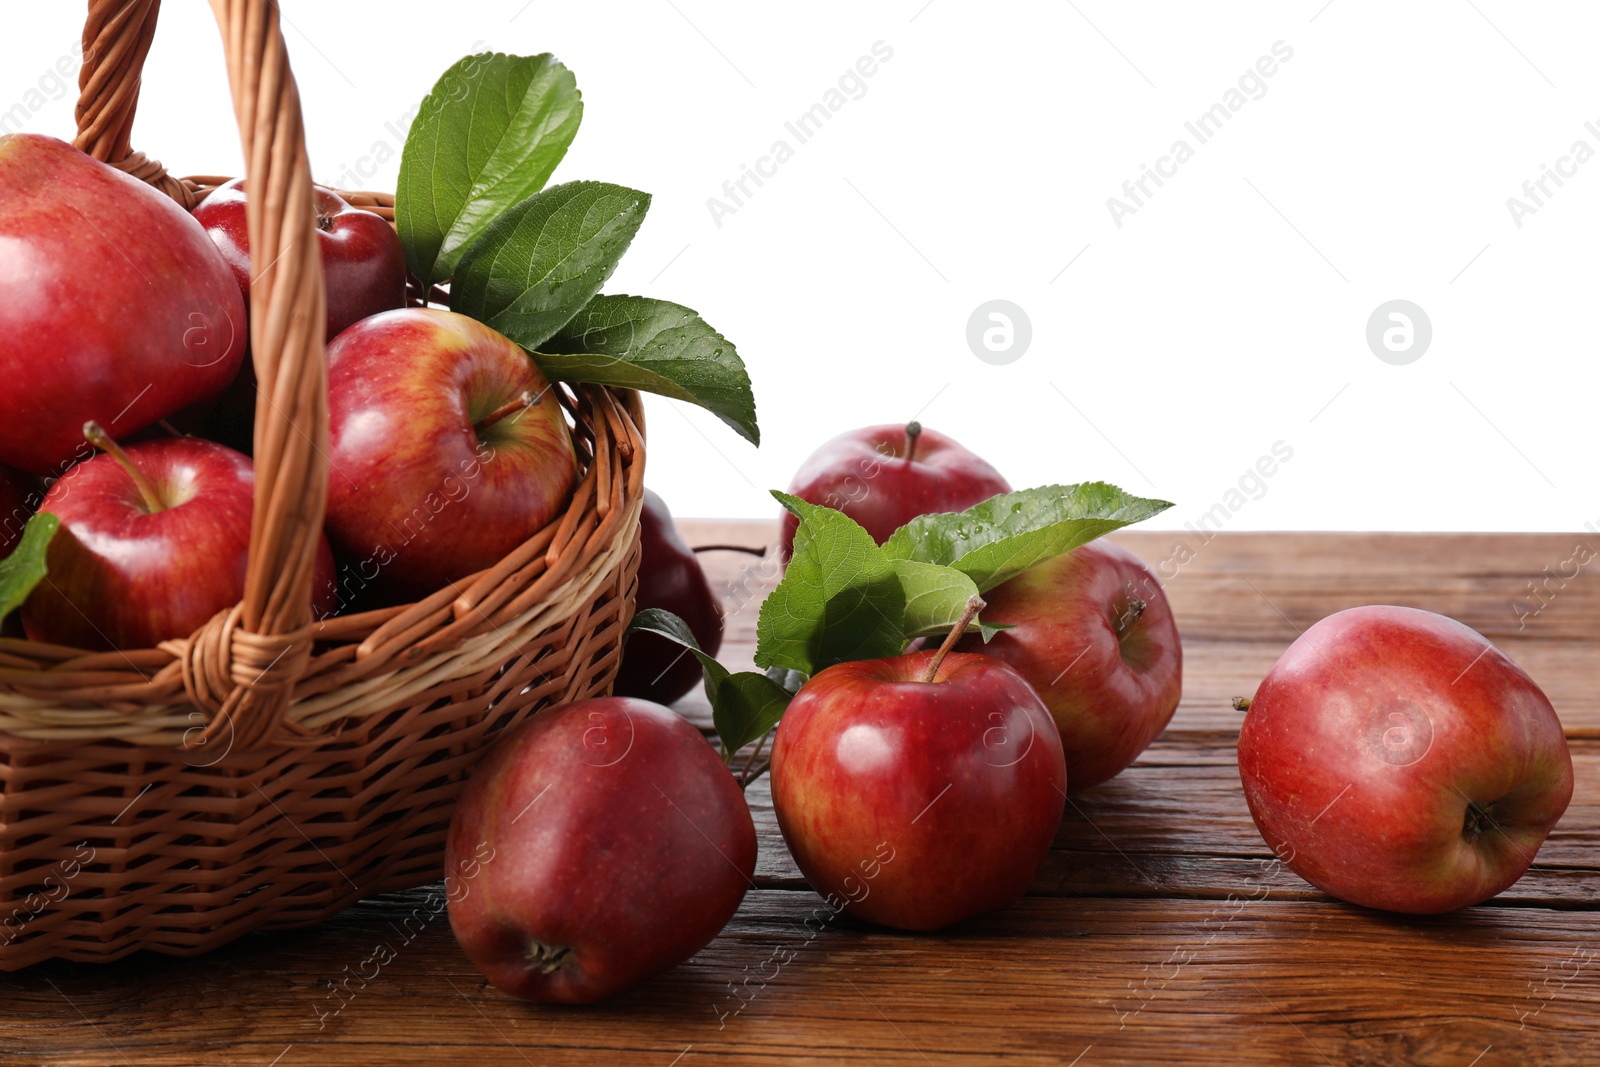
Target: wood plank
point(1216, 671)
point(1241, 982)
point(1175, 825)
point(1237, 633)
point(1264, 586)
point(1159, 929)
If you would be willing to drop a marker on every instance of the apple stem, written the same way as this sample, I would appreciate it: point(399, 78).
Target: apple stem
point(1129, 616)
point(974, 605)
point(97, 436)
point(1241, 703)
point(1476, 822)
point(913, 432)
point(521, 403)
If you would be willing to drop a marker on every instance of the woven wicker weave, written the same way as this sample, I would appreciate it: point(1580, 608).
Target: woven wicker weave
point(267, 772)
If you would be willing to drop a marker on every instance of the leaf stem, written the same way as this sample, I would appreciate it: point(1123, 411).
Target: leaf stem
point(96, 435)
point(755, 774)
point(746, 776)
point(974, 605)
point(750, 550)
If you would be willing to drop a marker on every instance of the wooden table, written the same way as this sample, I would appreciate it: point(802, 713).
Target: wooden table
point(1159, 931)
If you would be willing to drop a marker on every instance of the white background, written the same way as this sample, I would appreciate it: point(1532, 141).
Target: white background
point(1227, 314)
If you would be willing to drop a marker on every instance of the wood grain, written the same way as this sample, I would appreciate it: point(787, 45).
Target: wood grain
point(1160, 929)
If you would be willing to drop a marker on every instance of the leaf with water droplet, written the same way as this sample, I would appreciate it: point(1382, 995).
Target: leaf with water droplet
point(1005, 535)
point(636, 342)
point(539, 263)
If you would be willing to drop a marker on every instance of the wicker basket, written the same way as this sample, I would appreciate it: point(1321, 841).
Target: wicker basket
point(267, 772)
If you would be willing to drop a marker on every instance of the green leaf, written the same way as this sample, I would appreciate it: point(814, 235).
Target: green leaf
point(743, 706)
point(486, 138)
point(659, 347)
point(1005, 535)
point(935, 596)
point(748, 705)
point(541, 262)
point(26, 567)
point(664, 623)
point(840, 599)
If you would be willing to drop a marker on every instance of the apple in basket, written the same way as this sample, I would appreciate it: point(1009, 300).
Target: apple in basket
point(19, 496)
point(448, 448)
point(363, 273)
point(596, 845)
point(154, 541)
point(116, 305)
point(363, 263)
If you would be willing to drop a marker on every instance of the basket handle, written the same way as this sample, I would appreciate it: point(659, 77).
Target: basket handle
point(242, 665)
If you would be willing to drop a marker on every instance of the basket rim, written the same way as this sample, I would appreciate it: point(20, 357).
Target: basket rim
point(366, 661)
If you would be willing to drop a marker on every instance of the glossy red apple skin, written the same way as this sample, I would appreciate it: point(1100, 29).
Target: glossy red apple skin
point(123, 577)
point(412, 488)
point(866, 474)
point(918, 804)
point(670, 577)
point(363, 273)
point(615, 833)
point(20, 494)
point(363, 262)
point(1109, 670)
point(1368, 740)
point(116, 305)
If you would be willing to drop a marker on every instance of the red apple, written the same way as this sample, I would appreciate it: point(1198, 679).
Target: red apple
point(449, 447)
point(607, 843)
point(670, 577)
point(20, 494)
point(117, 307)
point(885, 476)
point(1395, 758)
point(363, 272)
point(363, 263)
point(153, 542)
point(915, 803)
point(1094, 635)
